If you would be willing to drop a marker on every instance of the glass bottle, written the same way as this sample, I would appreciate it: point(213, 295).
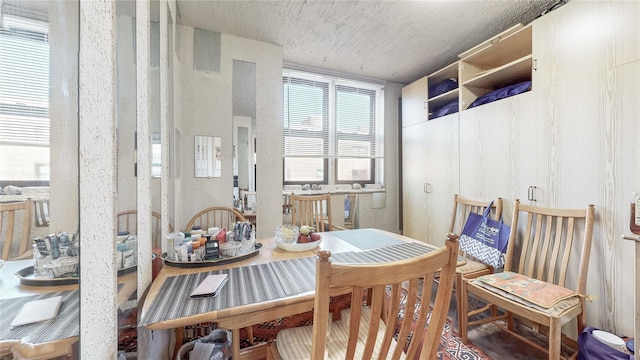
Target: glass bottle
point(634, 217)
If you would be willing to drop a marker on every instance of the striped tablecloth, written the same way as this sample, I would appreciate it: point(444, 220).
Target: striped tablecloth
point(258, 283)
point(65, 325)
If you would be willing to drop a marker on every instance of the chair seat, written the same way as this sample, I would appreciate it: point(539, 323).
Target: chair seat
point(298, 339)
point(470, 266)
point(549, 299)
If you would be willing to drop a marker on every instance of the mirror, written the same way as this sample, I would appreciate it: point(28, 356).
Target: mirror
point(126, 239)
point(208, 156)
point(167, 127)
point(39, 98)
point(244, 129)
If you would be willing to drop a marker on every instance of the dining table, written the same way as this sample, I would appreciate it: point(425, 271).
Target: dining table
point(274, 283)
point(49, 338)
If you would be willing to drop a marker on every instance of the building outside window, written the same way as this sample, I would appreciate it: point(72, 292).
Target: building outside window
point(332, 130)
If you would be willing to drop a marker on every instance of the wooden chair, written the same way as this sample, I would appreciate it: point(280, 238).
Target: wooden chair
point(360, 331)
point(41, 212)
point(472, 268)
point(10, 216)
point(216, 216)
point(310, 210)
point(542, 250)
point(128, 221)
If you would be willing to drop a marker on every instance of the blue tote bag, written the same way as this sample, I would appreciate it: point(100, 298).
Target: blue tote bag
point(485, 239)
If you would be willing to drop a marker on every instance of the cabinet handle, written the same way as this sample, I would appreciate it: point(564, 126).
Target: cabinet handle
point(427, 188)
point(425, 105)
point(534, 65)
point(531, 193)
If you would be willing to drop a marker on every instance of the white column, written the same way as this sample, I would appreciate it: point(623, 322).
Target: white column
point(98, 188)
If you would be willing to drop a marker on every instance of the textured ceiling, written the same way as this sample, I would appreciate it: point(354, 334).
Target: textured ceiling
point(397, 41)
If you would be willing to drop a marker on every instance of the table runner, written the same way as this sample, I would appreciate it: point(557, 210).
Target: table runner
point(65, 325)
point(258, 283)
point(366, 239)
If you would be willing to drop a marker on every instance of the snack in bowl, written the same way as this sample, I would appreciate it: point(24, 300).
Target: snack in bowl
point(287, 233)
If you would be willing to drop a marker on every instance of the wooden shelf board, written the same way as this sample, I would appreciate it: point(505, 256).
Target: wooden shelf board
point(491, 41)
point(450, 71)
point(503, 50)
point(511, 71)
point(442, 99)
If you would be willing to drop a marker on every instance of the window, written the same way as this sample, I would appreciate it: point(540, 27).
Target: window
point(24, 98)
point(332, 130)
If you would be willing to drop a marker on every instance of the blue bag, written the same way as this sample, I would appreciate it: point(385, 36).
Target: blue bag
point(590, 348)
point(485, 239)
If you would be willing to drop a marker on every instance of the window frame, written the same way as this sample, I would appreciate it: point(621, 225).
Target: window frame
point(332, 159)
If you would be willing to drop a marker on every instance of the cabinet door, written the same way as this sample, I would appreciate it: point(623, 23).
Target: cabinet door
point(441, 164)
point(503, 149)
point(413, 180)
point(414, 99)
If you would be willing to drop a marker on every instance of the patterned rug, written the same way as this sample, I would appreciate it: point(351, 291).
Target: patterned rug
point(451, 346)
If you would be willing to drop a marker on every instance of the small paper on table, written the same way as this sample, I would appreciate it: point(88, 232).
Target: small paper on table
point(201, 351)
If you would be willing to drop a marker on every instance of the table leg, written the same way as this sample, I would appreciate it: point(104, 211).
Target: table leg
point(235, 344)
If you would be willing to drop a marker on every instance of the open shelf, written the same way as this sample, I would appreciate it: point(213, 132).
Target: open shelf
point(449, 72)
point(502, 60)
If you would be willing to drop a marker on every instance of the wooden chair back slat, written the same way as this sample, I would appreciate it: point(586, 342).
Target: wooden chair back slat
point(566, 253)
point(310, 210)
point(9, 211)
point(216, 216)
point(544, 252)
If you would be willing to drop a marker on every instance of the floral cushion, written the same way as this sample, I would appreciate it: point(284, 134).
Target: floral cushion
point(539, 294)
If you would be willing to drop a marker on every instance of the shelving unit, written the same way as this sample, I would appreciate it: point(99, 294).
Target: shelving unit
point(448, 72)
point(499, 61)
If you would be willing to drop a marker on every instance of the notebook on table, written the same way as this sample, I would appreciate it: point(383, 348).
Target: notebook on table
point(210, 286)
point(37, 310)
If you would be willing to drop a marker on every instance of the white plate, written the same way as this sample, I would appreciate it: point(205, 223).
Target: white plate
point(297, 247)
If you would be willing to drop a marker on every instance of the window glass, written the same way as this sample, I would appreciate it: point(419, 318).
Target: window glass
point(24, 99)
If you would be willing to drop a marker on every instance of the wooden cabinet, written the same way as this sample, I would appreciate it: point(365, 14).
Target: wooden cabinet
point(430, 167)
point(574, 136)
point(414, 102)
point(430, 178)
point(413, 180)
point(502, 60)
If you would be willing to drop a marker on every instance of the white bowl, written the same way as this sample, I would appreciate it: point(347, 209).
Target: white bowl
point(297, 247)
